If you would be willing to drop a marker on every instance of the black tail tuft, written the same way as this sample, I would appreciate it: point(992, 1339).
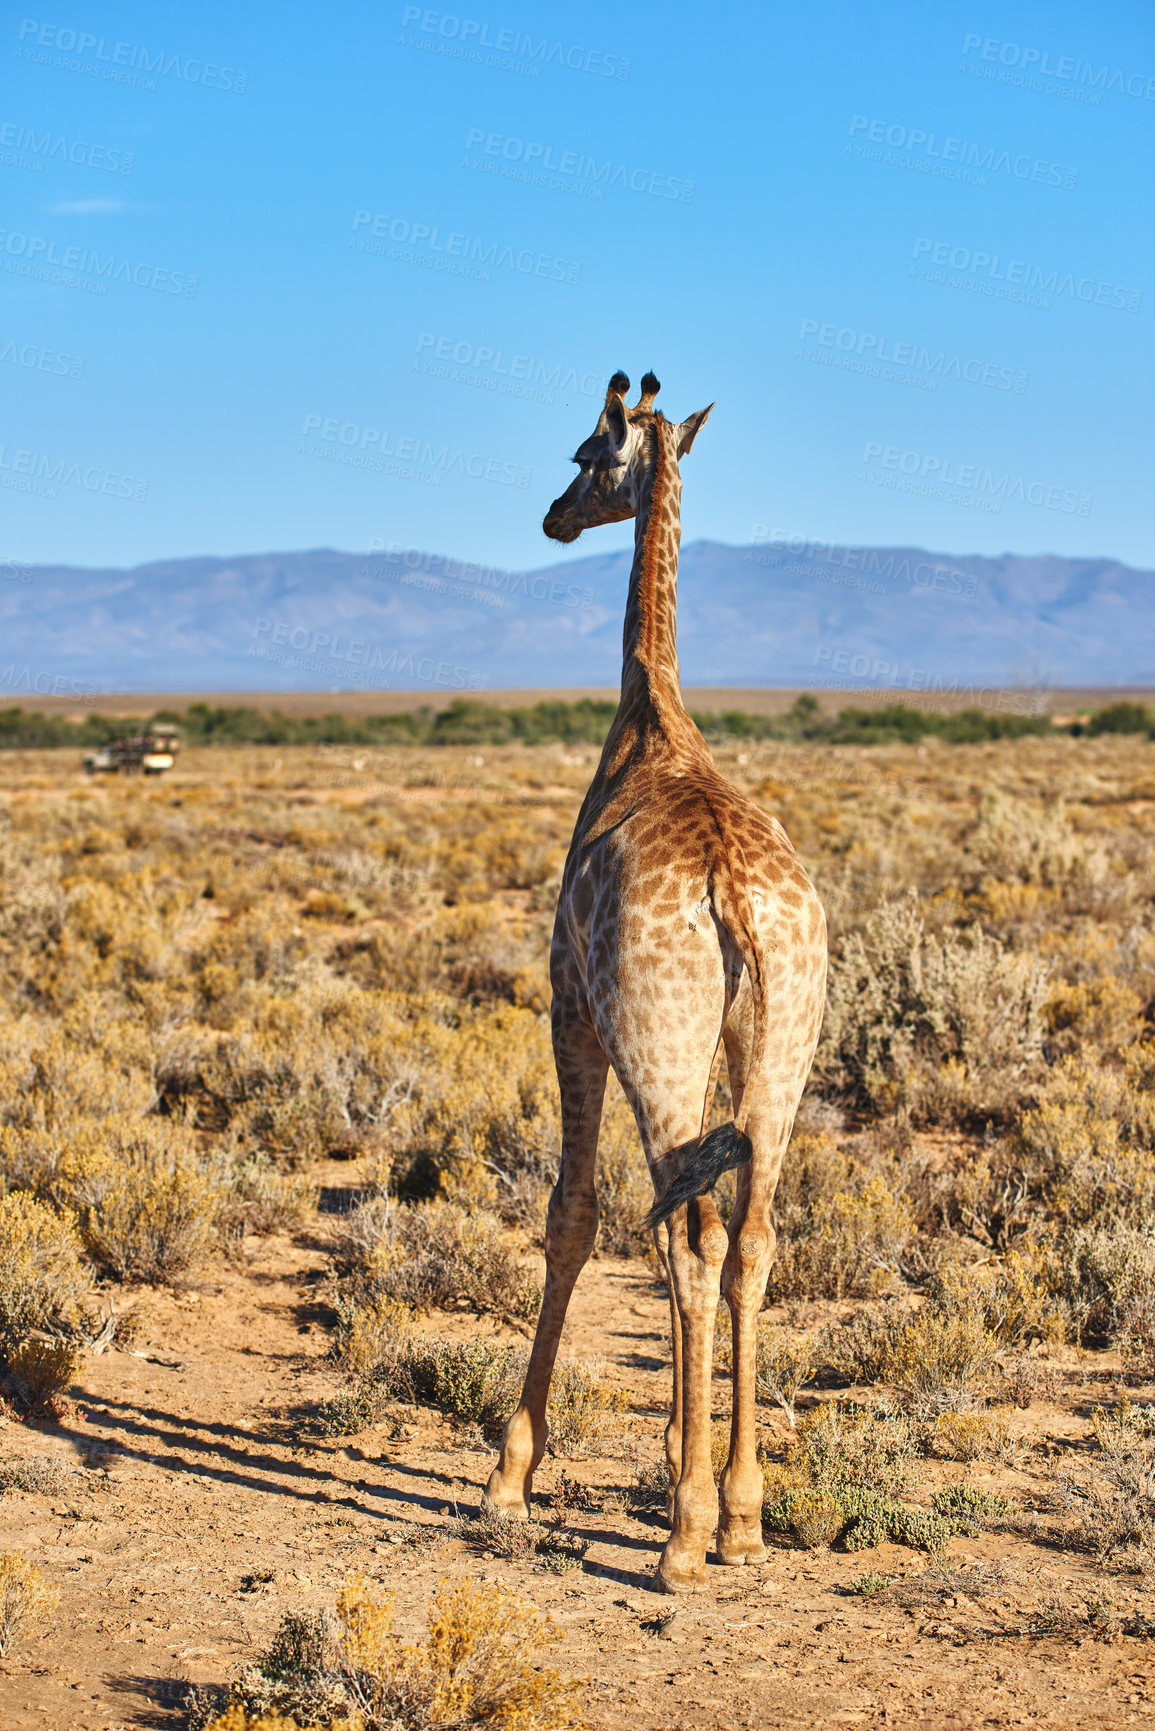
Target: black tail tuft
point(723, 1149)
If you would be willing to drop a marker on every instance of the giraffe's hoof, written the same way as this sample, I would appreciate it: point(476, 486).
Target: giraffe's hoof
point(498, 1498)
point(681, 1570)
point(667, 1581)
point(741, 1543)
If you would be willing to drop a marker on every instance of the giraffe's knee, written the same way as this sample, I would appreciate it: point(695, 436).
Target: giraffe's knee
point(749, 1260)
point(571, 1223)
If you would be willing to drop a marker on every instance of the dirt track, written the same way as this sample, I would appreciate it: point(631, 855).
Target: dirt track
point(200, 1510)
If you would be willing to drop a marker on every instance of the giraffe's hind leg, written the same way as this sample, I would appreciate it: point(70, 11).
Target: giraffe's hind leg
point(744, 1276)
point(772, 1100)
point(697, 1247)
point(571, 1229)
point(674, 1424)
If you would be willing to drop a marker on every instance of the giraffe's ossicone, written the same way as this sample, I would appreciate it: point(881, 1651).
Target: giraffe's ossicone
point(686, 930)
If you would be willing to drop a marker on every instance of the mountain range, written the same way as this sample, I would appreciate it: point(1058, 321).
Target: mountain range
point(763, 615)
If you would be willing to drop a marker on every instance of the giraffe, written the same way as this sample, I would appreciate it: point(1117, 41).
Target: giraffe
point(685, 928)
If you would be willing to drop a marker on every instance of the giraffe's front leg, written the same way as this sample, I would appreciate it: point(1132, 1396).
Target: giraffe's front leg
point(571, 1230)
point(744, 1276)
point(696, 1252)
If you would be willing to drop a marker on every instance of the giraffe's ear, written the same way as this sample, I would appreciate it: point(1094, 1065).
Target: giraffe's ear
point(616, 419)
point(690, 428)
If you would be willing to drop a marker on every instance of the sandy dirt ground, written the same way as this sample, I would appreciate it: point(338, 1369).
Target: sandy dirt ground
point(199, 1508)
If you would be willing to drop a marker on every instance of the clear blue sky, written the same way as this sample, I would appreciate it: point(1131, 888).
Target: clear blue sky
point(780, 187)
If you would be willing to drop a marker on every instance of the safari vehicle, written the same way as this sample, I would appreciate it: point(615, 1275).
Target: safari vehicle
point(147, 753)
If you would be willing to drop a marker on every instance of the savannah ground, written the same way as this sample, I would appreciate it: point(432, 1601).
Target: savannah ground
point(275, 1071)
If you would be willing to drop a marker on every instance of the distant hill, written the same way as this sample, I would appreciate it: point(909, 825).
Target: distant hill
point(748, 616)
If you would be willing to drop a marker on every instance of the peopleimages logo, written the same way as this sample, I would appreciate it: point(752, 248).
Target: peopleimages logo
point(1037, 61)
point(1019, 280)
point(36, 255)
point(972, 479)
point(931, 365)
point(365, 447)
point(120, 63)
point(24, 679)
point(37, 148)
point(874, 673)
point(810, 558)
point(38, 359)
point(412, 567)
point(955, 157)
point(507, 373)
point(468, 36)
point(526, 160)
point(35, 472)
point(460, 254)
point(316, 651)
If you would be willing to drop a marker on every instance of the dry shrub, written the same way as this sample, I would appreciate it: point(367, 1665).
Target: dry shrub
point(43, 1282)
point(1109, 1276)
point(650, 1487)
point(817, 1519)
point(583, 1406)
point(1103, 1012)
point(1082, 1167)
point(843, 1472)
point(837, 1445)
point(433, 1254)
point(501, 1535)
point(1111, 1499)
point(970, 1507)
point(1016, 840)
point(1085, 1153)
point(304, 1078)
point(476, 1666)
point(475, 1381)
point(974, 1436)
point(357, 1407)
point(1019, 1294)
point(782, 1364)
point(947, 1025)
point(843, 1232)
point(148, 1205)
point(468, 952)
point(27, 1600)
point(370, 1335)
point(44, 1368)
point(481, 1121)
point(258, 1198)
point(939, 1358)
point(42, 1475)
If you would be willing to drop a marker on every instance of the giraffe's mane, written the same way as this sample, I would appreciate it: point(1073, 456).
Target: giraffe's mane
point(649, 573)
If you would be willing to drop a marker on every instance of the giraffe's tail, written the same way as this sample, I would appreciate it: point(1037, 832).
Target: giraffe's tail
point(720, 1151)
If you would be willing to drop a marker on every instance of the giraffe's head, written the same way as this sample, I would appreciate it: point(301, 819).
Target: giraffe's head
point(615, 461)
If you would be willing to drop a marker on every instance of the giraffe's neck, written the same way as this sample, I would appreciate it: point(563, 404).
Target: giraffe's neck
point(650, 684)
